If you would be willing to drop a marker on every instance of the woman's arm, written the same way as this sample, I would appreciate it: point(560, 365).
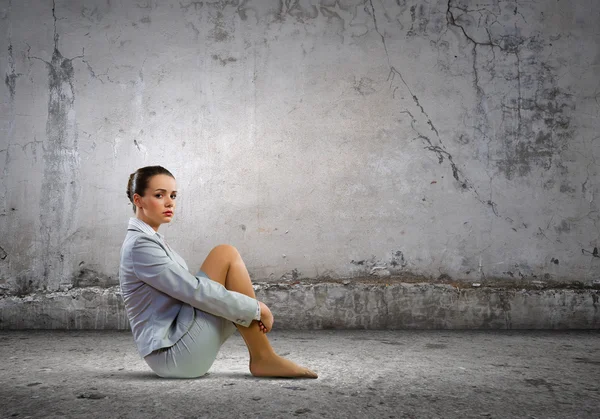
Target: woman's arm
point(152, 265)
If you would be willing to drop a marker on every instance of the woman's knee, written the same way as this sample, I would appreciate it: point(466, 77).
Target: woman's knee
point(227, 251)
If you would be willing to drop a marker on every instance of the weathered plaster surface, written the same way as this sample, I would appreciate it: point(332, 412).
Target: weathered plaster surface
point(327, 305)
point(323, 139)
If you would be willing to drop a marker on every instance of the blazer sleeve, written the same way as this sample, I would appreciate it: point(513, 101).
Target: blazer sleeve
point(152, 265)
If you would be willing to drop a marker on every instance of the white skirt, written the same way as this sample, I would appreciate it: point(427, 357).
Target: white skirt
point(193, 354)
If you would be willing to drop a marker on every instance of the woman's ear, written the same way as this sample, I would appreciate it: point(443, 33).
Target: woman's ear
point(137, 200)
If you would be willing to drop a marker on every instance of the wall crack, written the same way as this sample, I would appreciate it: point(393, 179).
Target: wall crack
point(439, 150)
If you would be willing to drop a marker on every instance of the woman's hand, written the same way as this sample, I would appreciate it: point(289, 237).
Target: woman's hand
point(266, 318)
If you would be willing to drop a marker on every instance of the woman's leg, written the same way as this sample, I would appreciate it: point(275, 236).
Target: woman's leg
point(225, 265)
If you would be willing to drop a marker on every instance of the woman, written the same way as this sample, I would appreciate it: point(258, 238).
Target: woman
point(179, 320)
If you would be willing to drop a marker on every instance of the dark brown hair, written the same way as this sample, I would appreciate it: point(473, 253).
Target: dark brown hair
point(138, 180)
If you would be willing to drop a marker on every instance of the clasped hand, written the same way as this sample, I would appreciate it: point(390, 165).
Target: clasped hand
point(266, 318)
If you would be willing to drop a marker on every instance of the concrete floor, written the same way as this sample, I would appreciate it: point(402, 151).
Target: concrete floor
point(363, 374)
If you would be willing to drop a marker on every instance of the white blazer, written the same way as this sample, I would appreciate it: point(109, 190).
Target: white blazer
point(160, 293)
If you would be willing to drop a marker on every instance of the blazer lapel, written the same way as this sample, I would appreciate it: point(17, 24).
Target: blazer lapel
point(179, 260)
point(172, 254)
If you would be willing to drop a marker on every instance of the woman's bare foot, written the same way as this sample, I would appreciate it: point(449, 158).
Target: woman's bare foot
point(277, 366)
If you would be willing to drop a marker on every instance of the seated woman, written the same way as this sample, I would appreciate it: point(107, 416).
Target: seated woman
point(179, 320)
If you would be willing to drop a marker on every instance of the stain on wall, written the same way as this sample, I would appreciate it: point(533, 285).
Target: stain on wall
point(11, 77)
point(535, 111)
point(88, 277)
point(60, 188)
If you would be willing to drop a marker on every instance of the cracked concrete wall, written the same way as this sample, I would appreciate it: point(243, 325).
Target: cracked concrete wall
point(447, 140)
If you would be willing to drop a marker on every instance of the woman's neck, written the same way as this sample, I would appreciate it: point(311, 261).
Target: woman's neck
point(141, 217)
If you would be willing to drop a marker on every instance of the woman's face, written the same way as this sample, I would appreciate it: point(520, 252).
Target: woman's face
point(157, 206)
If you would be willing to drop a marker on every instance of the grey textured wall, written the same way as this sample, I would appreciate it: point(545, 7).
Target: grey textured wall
point(448, 140)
